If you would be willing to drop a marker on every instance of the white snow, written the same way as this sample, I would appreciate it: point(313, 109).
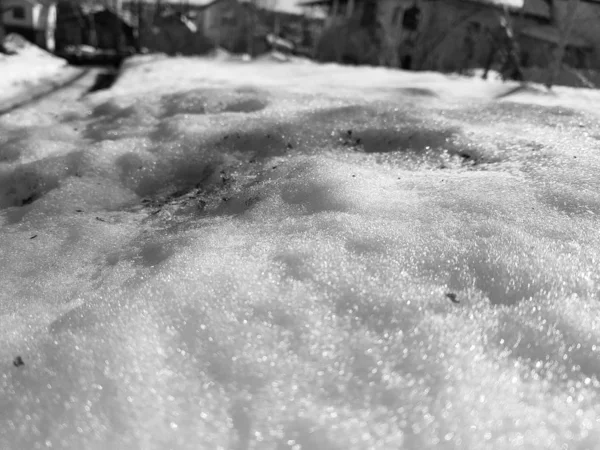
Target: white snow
point(235, 255)
point(27, 68)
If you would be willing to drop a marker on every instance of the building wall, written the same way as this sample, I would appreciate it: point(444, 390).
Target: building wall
point(38, 24)
point(28, 21)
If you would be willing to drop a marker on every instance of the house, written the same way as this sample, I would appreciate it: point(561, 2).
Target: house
point(97, 26)
point(169, 26)
point(197, 26)
point(443, 35)
point(34, 20)
point(453, 35)
point(243, 26)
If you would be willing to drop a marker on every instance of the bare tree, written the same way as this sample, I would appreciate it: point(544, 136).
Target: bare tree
point(565, 27)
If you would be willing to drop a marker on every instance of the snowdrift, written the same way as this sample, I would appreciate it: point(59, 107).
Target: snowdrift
point(271, 256)
point(26, 67)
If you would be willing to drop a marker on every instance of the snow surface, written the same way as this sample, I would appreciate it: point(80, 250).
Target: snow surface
point(221, 255)
point(25, 69)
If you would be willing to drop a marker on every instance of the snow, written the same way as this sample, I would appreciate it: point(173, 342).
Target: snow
point(29, 66)
point(238, 255)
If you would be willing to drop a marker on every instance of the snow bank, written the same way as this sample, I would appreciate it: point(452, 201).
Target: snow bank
point(231, 255)
point(25, 68)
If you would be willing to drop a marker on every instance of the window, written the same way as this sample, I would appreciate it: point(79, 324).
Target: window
point(18, 12)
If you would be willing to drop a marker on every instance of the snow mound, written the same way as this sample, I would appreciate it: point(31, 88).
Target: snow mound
point(15, 43)
point(248, 256)
point(27, 67)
